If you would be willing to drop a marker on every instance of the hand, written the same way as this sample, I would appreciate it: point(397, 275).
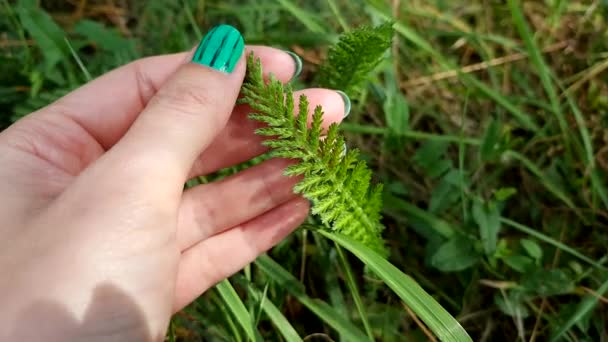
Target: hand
point(98, 239)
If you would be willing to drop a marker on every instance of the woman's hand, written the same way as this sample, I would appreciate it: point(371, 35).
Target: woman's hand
point(98, 239)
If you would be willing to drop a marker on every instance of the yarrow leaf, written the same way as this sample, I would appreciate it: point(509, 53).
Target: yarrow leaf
point(336, 183)
point(350, 61)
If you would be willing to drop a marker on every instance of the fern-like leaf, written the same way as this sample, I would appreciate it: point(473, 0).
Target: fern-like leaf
point(337, 184)
point(356, 54)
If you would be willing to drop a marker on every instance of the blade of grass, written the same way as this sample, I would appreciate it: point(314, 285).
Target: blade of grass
point(238, 309)
point(551, 241)
point(585, 306)
point(543, 70)
point(85, 71)
point(236, 333)
point(336, 12)
point(354, 290)
point(325, 312)
point(367, 129)
point(441, 227)
point(306, 18)
point(278, 320)
point(432, 313)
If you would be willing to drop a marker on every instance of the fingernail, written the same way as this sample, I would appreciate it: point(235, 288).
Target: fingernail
point(220, 49)
point(297, 62)
point(346, 100)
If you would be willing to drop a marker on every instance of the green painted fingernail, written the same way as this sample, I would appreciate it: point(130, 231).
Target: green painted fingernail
point(220, 49)
point(297, 61)
point(347, 104)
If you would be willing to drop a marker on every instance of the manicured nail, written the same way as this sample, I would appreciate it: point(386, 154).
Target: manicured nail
point(298, 64)
point(346, 100)
point(220, 49)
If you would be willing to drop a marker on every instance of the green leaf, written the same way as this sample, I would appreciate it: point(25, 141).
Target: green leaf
point(487, 217)
point(456, 254)
point(396, 110)
point(337, 184)
point(490, 144)
point(430, 157)
point(532, 248)
point(354, 57)
point(105, 38)
point(552, 242)
point(238, 309)
point(519, 263)
point(445, 327)
point(511, 305)
point(547, 282)
point(446, 192)
point(49, 37)
point(584, 308)
point(325, 312)
point(503, 194)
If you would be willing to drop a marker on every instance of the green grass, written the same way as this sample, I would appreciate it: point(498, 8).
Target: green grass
point(496, 198)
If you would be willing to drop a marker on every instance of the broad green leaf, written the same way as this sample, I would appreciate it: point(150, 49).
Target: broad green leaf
point(325, 312)
point(532, 248)
point(445, 327)
point(456, 254)
point(103, 37)
point(503, 194)
point(397, 112)
point(430, 157)
point(49, 37)
point(487, 217)
point(446, 192)
point(511, 305)
point(238, 309)
point(519, 263)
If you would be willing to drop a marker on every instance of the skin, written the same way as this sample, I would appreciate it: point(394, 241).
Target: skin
point(98, 239)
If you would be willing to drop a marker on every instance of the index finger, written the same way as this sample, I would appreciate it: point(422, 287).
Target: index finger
point(107, 106)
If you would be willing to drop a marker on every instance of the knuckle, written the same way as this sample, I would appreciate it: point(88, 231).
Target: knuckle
point(184, 97)
point(146, 87)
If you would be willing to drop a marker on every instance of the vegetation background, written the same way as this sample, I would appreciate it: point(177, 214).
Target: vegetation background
point(487, 123)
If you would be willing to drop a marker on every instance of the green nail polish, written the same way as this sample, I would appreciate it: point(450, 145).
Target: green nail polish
point(298, 64)
point(347, 104)
point(220, 49)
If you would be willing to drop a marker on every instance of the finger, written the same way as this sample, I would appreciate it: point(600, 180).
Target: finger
point(248, 194)
point(220, 256)
point(189, 110)
point(238, 143)
point(106, 116)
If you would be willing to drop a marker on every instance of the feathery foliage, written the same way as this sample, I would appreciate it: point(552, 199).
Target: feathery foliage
point(356, 54)
point(337, 183)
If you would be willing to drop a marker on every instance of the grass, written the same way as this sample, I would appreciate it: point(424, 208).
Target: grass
point(487, 125)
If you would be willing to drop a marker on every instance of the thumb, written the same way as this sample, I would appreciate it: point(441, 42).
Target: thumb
point(193, 106)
